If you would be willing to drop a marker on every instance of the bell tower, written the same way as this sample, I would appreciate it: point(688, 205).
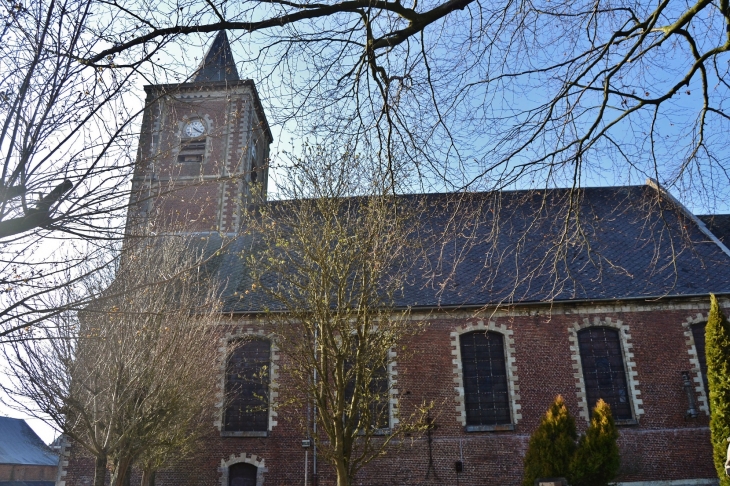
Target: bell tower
point(203, 149)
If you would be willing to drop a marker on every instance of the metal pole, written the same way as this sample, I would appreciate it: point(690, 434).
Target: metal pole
point(314, 425)
point(306, 451)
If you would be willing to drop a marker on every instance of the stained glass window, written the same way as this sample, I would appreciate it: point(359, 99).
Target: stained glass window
point(379, 403)
point(486, 393)
point(698, 333)
point(247, 387)
point(603, 370)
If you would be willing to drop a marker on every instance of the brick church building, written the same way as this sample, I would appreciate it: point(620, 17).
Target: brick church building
point(621, 318)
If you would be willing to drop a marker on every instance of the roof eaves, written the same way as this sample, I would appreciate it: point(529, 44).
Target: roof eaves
point(532, 303)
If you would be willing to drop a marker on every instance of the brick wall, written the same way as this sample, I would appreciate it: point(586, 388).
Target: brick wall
point(27, 472)
point(659, 447)
point(210, 195)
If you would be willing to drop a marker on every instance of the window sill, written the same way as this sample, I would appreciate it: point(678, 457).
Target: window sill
point(246, 433)
point(624, 422)
point(490, 428)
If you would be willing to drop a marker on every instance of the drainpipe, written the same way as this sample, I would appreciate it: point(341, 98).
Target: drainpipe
point(314, 425)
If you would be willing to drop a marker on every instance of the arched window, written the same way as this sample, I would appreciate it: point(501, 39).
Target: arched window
point(242, 474)
point(377, 395)
point(254, 161)
point(698, 334)
point(247, 387)
point(484, 371)
point(604, 372)
point(380, 409)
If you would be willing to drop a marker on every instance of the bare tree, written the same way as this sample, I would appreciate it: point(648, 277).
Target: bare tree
point(66, 154)
point(444, 95)
point(56, 132)
point(132, 378)
point(335, 265)
point(462, 94)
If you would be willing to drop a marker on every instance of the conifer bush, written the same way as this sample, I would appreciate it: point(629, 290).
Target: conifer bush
point(596, 460)
point(717, 349)
point(552, 445)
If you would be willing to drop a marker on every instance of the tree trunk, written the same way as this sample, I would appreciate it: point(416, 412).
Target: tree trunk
point(343, 478)
point(100, 470)
point(148, 478)
point(120, 473)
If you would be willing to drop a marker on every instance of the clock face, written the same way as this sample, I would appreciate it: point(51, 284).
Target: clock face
point(194, 128)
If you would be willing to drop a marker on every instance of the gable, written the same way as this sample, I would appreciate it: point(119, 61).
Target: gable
point(20, 445)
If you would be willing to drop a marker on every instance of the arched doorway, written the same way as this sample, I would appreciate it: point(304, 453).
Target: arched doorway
point(242, 474)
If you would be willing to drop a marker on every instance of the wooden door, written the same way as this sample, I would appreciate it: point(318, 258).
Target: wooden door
point(242, 474)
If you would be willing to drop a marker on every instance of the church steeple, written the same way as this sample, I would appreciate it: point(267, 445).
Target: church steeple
point(218, 64)
point(204, 149)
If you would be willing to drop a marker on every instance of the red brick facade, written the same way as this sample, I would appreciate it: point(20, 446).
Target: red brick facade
point(662, 445)
point(205, 196)
point(27, 472)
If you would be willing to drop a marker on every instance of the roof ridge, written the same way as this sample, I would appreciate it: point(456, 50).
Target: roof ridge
point(470, 193)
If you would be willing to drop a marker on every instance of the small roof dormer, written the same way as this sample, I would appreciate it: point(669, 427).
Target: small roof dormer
point(218, 63)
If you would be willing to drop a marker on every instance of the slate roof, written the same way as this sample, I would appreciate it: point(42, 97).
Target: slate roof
point(627, 243)
point(20, 445)
point(218, 63)
point(719, 224)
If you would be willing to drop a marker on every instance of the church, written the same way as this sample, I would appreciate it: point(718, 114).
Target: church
point(625, 321)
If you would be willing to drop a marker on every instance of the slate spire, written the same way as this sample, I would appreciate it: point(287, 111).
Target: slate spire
point(218, 64)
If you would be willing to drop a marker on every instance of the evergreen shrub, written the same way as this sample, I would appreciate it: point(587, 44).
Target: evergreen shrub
point(552, 445)
point(596, 460)
point(717, 350)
